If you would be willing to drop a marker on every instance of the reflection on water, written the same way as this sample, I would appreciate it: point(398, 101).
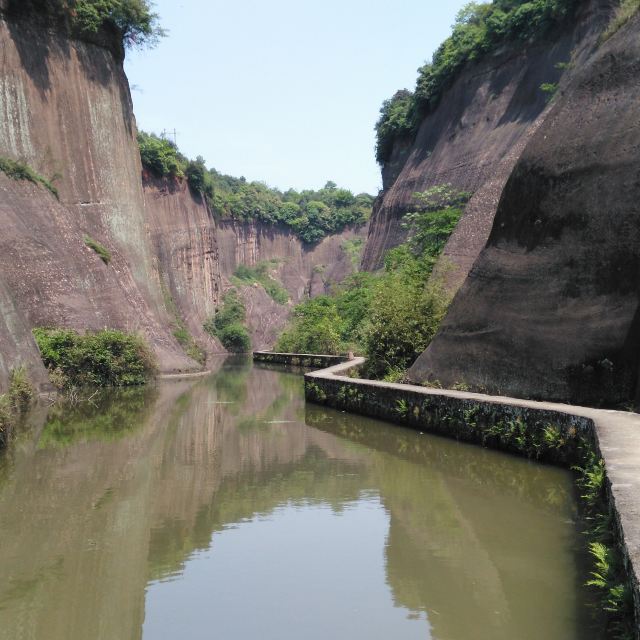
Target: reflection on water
point(224, 508)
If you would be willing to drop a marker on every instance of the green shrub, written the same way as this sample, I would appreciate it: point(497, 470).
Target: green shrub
point(161, 156)
point(227, 324)
point(315, 328)
point(21, 171)
point(133, 20)
point(480, 28)
point(103, 253)
point(104, 358)
point(235, 338)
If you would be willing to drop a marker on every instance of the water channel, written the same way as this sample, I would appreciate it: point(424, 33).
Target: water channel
point(225, 508)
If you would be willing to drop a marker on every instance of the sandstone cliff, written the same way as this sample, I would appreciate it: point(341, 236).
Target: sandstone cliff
point(66, 111)
point(303, 270)
point(473, 139)
point(550, 309)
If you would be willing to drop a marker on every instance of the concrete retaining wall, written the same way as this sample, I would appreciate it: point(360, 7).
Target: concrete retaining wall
point(544, 431)
point(298, 359)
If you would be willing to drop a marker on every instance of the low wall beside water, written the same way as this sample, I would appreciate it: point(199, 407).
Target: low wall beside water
point(298, 359)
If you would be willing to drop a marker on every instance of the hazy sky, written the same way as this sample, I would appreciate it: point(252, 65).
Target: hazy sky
point(284, 91)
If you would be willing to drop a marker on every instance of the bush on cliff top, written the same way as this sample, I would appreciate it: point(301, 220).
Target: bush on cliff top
point(310, 214)
point(107, 358)
point(133, 20)
point(479, 29)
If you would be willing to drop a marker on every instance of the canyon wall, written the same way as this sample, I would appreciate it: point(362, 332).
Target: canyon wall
point(66, 111)
point(550, 308)
point(473, 139)
point(303, 270)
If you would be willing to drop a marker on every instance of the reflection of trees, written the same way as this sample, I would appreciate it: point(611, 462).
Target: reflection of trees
point(87, 520)
point(476, 537)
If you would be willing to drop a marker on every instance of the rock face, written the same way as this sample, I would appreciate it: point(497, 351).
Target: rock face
point(302, 270)
point(550, 309)
point(66, 111)
point(472, 140)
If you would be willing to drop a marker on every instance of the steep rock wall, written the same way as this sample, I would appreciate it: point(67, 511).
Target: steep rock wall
point(472, 140)
point(65, 109)
point(302, 270)
point(184, 239)
point(550, 309)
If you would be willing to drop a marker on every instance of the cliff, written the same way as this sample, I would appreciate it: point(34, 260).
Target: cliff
point(303, 270)
point(66, 111)
point(550, 308)
point(473, 139)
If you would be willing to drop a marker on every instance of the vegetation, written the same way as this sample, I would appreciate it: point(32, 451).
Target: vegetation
point(180, 331)
point(104, 358)
point(391, 316)
point(16, 401)
point(21, 171)
point(228, 324)
point(111, 415)
point(102, 251)
point(133, 20)
point(624, 13)
point(259, 274)
point(479, 29)
point(310, 214)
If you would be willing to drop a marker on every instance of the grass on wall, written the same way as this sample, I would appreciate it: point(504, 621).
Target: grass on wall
point(624, 13)
point(103, 253)
point(22, 171)
point(15, 402)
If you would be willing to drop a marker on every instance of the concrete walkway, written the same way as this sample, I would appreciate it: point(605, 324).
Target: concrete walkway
point(617, 436)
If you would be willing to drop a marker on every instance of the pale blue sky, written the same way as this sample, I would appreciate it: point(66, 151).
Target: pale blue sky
point(284, 91)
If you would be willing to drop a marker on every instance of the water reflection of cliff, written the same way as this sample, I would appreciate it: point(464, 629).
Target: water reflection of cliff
point(95, 504)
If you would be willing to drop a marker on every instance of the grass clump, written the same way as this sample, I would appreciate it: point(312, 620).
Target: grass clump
point(107, 358)
point(22, 171)
point(624, 13)
point(15, 402)
point(103, 253)
point(228, 324)
point(259, 274)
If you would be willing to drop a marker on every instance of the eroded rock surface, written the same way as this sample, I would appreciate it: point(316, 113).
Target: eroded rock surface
point(550, 309)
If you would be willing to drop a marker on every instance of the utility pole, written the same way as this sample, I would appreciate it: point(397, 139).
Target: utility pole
point(167, 134)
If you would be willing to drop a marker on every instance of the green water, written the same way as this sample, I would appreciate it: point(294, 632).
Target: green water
point(223, 508)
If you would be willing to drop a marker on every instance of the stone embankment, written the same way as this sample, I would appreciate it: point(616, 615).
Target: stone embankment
point(298, 359)
point(548, 431)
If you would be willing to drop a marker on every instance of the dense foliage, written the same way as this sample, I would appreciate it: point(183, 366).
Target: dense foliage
point(390, 316)
point(479, 29)
point(107, 358)
point(133, 20)
point(228, 324)
point(310, 214)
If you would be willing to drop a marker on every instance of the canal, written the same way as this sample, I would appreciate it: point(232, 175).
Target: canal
point(225, 508)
